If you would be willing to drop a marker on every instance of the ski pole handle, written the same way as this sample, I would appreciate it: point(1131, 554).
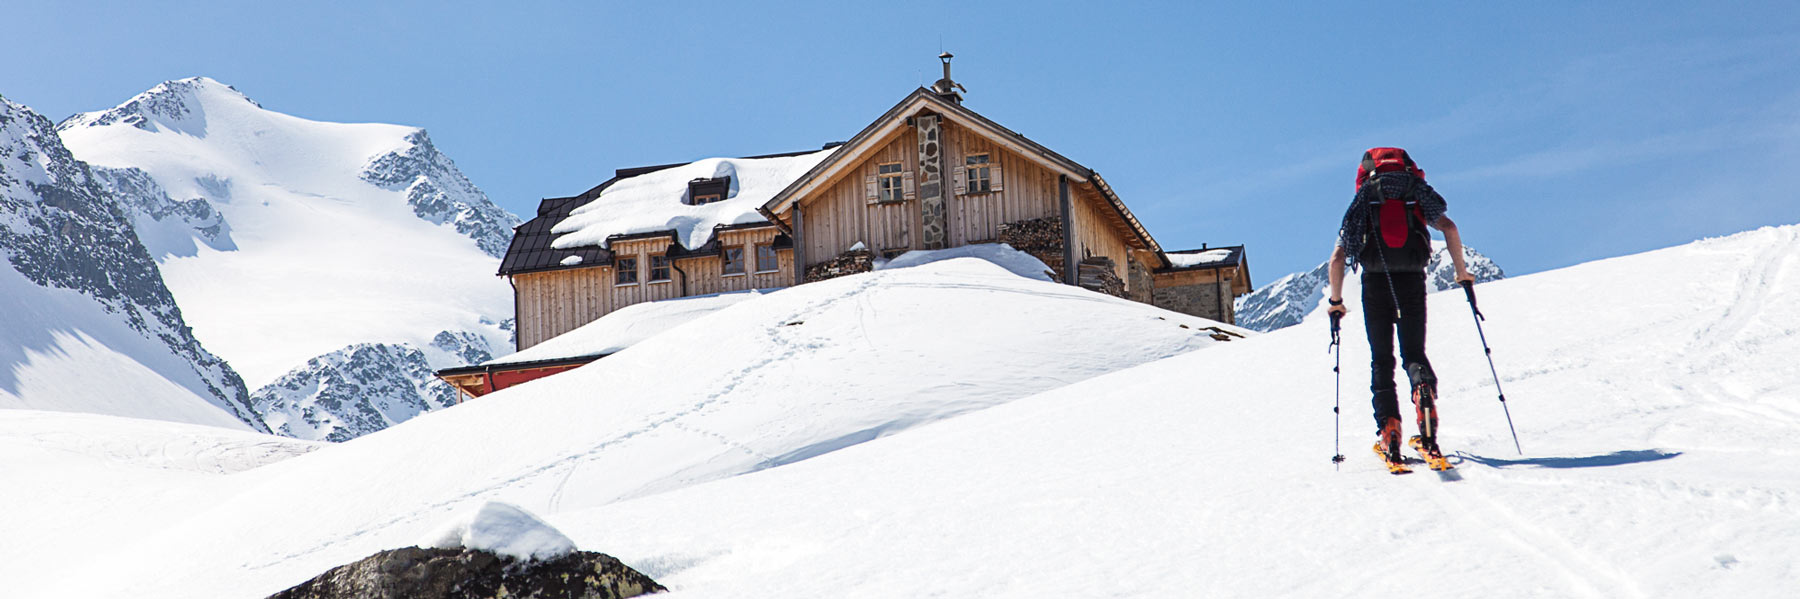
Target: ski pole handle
point(1469, 290)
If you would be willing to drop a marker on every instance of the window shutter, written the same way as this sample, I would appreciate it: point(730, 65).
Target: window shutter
point(959, 186)
point(907, 187)
point(869, 189)
point(999, 179)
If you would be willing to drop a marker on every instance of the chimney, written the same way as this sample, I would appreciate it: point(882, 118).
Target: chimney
point(946, 88)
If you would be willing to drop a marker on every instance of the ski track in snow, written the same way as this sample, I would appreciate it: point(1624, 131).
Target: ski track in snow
point(572, 461)
point(1655, 464)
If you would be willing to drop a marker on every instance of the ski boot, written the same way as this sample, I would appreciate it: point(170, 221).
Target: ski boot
point(1424, 397)
point(1388, 447)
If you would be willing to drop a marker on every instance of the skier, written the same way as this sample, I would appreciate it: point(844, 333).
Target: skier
point(1384, 234)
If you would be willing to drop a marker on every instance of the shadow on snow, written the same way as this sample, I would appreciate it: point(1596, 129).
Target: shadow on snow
point(1617, 458)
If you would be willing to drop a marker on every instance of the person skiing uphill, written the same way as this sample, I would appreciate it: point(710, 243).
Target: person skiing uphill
point(1384, 234)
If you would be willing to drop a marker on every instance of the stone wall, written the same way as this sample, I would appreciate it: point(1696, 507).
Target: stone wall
point(1041, 237)
point(847, 263)
point(1199, 300)
point(1141, 286)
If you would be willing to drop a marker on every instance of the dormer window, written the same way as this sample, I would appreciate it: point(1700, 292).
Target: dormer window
point(707, 191)
point(625, 271)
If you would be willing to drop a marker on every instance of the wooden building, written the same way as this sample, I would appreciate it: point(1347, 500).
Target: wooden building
point(927, 174)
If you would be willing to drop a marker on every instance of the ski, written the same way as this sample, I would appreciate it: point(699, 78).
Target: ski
point(1434, 457)
point(1393, 466)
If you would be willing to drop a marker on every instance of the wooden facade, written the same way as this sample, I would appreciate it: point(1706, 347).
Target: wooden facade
point(877, 192)
point(838, 205)
point(554, 302)
point(845, 213)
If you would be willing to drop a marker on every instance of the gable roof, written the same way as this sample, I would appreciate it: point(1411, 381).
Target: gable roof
point(828, 170)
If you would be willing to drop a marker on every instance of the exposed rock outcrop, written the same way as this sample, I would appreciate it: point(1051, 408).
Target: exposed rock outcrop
point(416, 573)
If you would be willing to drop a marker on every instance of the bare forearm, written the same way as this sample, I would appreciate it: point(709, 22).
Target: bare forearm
point(1453, 242)
point(1335, 273)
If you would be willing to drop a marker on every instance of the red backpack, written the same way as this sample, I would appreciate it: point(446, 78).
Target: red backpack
point(1407, 243)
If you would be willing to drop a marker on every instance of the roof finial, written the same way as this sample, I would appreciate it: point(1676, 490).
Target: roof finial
point(945, 87)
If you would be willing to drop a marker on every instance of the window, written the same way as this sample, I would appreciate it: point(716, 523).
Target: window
point(734, 260)
point(765, 258)
point(625, 271)
point(889, 187)
point(978, 174)
point(659, 268)
point(706, 191)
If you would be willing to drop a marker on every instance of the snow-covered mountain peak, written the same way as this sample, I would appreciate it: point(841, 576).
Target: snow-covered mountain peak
point(178, 105)
point(285, 239)
point(86, 323)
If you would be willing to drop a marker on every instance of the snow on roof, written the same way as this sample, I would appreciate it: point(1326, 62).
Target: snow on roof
point(502, 529)
point(1187, 260)
point(652, 202)
point(625, 327)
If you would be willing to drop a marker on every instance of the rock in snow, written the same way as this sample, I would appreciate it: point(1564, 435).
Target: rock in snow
point(87, 322)
point(415, 573)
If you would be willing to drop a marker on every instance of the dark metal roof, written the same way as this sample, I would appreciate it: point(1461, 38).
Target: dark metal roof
point(530, 250)
point(1234, 260)
point(509, 366)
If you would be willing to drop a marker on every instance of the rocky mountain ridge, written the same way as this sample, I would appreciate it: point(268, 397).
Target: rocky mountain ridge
point(61, 228)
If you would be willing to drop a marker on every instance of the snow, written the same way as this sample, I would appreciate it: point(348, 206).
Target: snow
point(1002, 255)
point(323, 259)
point(1186, 260)
point(502, 529)
point(626, 327)
point(952, 429)
point(61, 350)
point(571, 261)
point(652, 202)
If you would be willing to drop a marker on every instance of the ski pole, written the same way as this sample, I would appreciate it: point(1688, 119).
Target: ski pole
point(1337, 453)
point(1469, 290)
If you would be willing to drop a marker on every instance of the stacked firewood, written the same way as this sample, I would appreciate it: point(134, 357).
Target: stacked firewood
point(1097, 273)
point(847, 263)
point(1041, 237)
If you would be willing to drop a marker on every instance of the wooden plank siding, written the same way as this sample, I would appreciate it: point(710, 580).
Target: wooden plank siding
point(841, 215)
point(555, 302)
point(1098, 231)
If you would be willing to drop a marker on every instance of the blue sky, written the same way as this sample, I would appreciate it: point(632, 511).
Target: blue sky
point(1559, 132)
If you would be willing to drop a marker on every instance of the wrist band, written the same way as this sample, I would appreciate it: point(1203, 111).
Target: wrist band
point(1334, 302)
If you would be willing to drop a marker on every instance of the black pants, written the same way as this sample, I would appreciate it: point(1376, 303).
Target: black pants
point(1379, 302)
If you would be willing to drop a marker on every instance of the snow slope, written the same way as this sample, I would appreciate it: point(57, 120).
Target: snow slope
point(626, 327)
point(328, 250)
point(86, 324)
point(769, 381)
point(1660, 419)
point(292, 243)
